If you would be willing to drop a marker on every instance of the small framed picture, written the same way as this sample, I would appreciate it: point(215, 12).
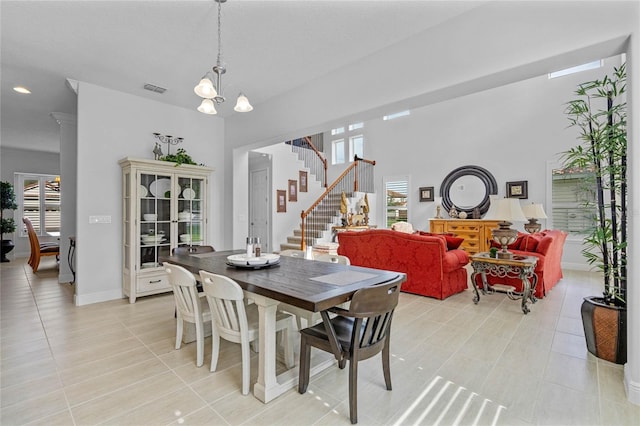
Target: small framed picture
point(303, 181)
point(282, 200)
point(517, 189)
point(426, 193)
point(293, 190)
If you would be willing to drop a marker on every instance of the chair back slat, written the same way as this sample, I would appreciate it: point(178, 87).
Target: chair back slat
point(185, 291)
point(226, 299)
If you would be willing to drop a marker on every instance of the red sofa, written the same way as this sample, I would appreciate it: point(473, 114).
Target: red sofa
point(431, 269)
point(547, 246)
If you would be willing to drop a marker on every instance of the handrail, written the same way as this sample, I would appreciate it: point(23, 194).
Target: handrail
point(340, 180)
point(324, 160)
point(319, 155)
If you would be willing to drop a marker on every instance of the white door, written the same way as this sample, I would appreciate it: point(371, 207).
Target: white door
point(259, 206)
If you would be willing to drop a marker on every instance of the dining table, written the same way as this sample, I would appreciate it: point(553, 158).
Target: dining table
point(311, 285)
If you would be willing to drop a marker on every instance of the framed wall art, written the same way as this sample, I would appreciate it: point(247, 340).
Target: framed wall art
point(293, 190)
point(426, 193)
point(303, 181)
point(517, 189)
point(281, 196)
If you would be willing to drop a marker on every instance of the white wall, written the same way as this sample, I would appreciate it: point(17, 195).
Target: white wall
point(19, 160)
point(113, 125)
point(285, 165)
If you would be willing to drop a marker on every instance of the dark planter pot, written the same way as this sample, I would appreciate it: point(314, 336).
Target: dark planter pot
point(7, 246)
point(605, 329)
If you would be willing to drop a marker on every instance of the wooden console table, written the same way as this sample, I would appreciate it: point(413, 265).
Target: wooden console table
point(476, 232)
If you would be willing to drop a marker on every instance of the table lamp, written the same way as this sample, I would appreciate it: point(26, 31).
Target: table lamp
point(506, 210)
point(533, 212)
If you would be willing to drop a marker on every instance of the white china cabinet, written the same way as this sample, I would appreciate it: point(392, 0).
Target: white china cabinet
point(163, 206)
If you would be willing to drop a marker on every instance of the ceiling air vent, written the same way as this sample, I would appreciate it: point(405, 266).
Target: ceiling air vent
point(154, 88)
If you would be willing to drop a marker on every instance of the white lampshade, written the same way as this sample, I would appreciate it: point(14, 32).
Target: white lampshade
point(207, 107)
point(243, 105)
point(505, 209)
point(205, 89)
point(534, 211)
point(438, 201)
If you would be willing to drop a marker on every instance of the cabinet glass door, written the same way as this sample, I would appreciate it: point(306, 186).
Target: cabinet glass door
point(155, 218)
point(190, 211)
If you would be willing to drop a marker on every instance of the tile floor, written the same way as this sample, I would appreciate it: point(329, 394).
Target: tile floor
point(453, 363)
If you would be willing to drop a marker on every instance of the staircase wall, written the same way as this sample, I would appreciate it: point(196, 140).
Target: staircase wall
point(285, 166)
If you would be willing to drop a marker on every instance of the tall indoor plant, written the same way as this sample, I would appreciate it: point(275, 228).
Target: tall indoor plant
point(7, 225)
point(599, 112)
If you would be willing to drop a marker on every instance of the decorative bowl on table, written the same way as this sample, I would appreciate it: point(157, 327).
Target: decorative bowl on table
point(244, 260)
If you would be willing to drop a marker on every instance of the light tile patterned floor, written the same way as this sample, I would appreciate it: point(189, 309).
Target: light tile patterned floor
point(453, 363)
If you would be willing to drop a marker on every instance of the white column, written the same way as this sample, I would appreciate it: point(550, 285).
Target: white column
point(632, 367)
point(68, 193)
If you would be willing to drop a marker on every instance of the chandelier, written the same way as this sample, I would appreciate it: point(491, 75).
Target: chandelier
point(211, 93)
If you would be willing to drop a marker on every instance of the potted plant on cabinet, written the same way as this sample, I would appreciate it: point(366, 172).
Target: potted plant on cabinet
point(599, 112)
point(7, 225)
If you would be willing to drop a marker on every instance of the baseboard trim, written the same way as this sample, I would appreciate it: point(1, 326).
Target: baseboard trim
point(631, 387)
point(103, 296)
point(576, 266)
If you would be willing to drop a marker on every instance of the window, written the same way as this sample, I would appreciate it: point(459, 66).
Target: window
point(396, 115)
point(573, 197)
point(356, 147)
point(39, 200)
point(397, 196)
point(576, 69)
point(337, 151)
point(339, 154)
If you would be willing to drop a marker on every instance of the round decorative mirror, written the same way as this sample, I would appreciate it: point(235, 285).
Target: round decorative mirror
point(467, 188)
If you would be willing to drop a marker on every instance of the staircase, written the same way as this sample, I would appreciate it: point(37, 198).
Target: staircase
point(320, 222)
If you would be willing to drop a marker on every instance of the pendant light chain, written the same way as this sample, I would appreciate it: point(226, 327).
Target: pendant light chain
point(219, 34)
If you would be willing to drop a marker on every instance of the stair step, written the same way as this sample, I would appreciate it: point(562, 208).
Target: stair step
point(315, 234)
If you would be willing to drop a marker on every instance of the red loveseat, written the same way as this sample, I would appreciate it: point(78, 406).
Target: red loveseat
point(431, 269)
point(547, 246)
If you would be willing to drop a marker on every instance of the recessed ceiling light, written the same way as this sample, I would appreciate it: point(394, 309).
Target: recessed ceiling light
point(22, 90)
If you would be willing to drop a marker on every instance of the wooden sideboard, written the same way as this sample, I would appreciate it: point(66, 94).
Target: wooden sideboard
point(476, 232)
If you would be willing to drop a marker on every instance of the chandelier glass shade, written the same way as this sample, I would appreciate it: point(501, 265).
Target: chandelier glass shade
point(212, 92)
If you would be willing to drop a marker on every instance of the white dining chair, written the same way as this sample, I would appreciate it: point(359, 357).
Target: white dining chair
point(189, 306)
point(237, 322)
point(332, 258)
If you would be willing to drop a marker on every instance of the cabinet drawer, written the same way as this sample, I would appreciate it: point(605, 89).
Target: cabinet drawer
point(157, 281)
point(463, 228)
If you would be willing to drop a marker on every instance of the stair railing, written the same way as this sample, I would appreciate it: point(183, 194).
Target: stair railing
point(357, 177)
point(313, 158)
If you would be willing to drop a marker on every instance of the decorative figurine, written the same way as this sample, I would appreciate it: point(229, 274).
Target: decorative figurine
point(453, 213)
point(157, 151)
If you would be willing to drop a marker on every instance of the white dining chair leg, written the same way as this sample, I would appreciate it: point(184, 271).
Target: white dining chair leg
point(179, 327)
point(215, 348)
point(246, 367)
point(287, 335)
point(199, 344)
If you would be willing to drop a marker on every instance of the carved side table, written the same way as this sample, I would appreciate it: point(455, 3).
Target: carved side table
point(517, 267)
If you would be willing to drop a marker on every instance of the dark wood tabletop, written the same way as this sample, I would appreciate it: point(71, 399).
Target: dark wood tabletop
point(311, 285)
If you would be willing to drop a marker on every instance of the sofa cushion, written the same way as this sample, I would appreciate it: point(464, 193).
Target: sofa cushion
point(529, 242)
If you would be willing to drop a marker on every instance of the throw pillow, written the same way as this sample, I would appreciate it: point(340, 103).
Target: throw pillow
point(405, 227)
point(453, 242)
point(529, 243)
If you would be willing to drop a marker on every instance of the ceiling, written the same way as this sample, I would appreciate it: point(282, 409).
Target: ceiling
point(269, 47)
